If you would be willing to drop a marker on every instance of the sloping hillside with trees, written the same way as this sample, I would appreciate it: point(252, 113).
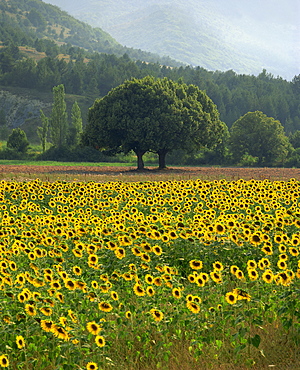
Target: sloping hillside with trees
point(32, 64)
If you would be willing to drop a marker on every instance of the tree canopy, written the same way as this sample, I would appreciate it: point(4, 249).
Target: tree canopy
point(157, 115)
point(260, 136)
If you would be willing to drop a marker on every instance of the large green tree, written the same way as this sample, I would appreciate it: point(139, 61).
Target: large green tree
point(17, 141)
point(260, 136)
point(157, 115)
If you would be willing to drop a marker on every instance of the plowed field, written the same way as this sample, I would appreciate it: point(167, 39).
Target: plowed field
point(107, 173)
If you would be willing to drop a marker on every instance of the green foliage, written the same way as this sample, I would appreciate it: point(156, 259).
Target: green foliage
point(59, 117)
point(42, 131)
point(17, 141)
point(259, 136)
point(75, 128)
point(74, 154)
point(156, 115)
point(295, 139)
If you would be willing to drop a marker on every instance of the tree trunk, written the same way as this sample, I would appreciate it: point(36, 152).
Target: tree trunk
point(162, 159)
point(140, 162)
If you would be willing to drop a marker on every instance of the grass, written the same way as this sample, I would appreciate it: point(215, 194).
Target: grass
point(16, 162)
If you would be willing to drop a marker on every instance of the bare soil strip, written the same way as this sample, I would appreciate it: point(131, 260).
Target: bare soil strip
point(228, 173)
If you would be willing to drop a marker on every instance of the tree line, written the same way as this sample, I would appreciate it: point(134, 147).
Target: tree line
point(96, 75)
point(162, 116)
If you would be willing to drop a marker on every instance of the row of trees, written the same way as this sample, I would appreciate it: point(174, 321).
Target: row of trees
point(160, 115)
point(62, 132)
point(233, 94)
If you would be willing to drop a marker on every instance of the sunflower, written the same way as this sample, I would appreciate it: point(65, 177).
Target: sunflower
point(176, 292)
point(72, 316)
point(70, 284)
point(4, 362)
point(231, 297)
point(193, 307)
point(63, 320)
point(281, 264)
point(150, 291)
point(156, 314)
point(55, 284)
point(105, 306)
point(216, 277)
point(93, 327)
point(156, 249)
point(197, 299)
point(157, 281)
point(46, 325)
point(239, 274)
point(149, 279)
point(293, 251)
point(139, 290)
point(251, 264)
point(278, 239)
point(233, 269)
point(77, 270)
point(114, 295)
point(47, 311)
point(267, 276)
point(59, 332)
point(192, 278)
point(253, 274)
point(91, 366)
point(218, 266)
point(256, 239)
point(120, 253)
point(145, 257)
point(267, 249)
point(30, 310)
point(128, 314)
point(196, 264)
point(100, 341)
point(60, 297)
point(241, 294)
point(20, 341)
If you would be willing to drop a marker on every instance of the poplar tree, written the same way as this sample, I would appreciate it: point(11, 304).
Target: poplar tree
point(59, 117)
point(75, 129)
point(42, 131)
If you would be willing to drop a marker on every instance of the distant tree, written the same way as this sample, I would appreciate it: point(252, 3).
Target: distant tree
point(17, 141)
point(36, 19)
point(295, 139)
point(59, 117)
point(156, 115)
point(75, 129)
point(42, 131)
point(3, 121)
point(259, 136)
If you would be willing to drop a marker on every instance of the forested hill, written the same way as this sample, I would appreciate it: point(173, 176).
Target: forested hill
point(25, 21)
point(30, 59)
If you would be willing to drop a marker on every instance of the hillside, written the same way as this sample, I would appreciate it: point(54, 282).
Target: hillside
point(38, 51)
point(217, 35)
point(25, 22)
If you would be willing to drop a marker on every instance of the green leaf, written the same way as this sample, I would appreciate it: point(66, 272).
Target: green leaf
point(255, 341)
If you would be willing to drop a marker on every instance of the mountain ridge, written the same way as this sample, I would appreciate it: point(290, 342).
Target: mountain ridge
point(237, 35)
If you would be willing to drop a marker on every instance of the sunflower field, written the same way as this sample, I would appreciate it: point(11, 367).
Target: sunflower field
point(174, 274)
